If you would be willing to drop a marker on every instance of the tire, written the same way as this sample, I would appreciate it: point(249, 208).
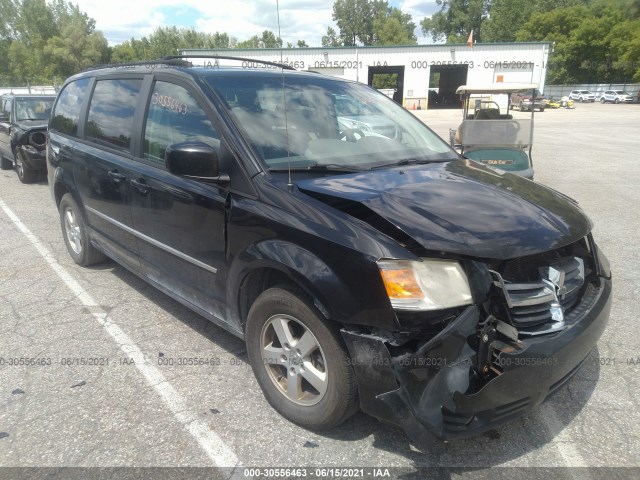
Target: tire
point(542, 110)
point(5, 163)
point(603, 101)
point(75, 235)
point(617, 100)
point(25, 174)
point(287, 339)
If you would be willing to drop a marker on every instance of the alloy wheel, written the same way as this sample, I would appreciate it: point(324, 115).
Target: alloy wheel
point(294, 360)
point(18, 165)
point(72, 230)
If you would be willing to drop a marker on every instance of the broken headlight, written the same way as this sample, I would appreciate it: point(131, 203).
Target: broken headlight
point(425, 285)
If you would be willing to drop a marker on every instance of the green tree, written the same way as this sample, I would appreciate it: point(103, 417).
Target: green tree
point(455, 20)
point(506, 17)
point(331, 39)
point(369, 22)
point(302, 44)
point(356, 20)
point(595, 43)
point(394, 28)
point(40, 41)
point(267, 40)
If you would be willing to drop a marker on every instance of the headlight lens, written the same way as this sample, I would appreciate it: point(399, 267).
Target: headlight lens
point(425, 285)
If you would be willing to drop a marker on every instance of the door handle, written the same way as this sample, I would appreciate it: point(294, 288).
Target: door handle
point(115, 175)
point(140, 186)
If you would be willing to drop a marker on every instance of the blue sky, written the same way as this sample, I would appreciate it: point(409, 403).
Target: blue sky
point(120, 20)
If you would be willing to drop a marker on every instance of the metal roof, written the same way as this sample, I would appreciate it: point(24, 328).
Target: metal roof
point(496, 88)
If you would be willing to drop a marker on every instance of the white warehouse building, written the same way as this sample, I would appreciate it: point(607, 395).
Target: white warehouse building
point(413, 68)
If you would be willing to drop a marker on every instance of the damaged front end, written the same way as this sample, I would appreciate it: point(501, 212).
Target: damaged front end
point(455, 373)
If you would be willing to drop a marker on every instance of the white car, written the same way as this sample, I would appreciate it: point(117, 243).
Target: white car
point(616, 96)
point(582, 96)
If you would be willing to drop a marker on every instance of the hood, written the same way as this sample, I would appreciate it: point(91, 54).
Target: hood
point(461, 208)
point(32, 124)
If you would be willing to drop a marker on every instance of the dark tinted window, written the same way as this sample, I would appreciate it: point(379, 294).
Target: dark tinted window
point(110, 118)
point(174, 116)
point(67, 111)
point(6, 107)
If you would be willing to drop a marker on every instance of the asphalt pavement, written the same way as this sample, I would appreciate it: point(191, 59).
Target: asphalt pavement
point(99, 369)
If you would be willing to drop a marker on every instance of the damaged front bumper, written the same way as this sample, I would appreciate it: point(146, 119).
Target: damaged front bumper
point(33, 159)
point(437, 391)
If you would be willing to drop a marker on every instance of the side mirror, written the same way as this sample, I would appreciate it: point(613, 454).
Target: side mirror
point(195, 160)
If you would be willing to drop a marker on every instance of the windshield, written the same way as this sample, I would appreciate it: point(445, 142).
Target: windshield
point(33, 108)
point(323, 122)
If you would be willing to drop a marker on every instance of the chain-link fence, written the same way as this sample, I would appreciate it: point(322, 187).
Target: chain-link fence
point(559, 91)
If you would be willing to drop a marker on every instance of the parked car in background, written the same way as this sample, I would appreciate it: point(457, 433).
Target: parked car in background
point(616, 96)
point(23, 134)
point(582, 96)
point(523, 100)
point(362, 119)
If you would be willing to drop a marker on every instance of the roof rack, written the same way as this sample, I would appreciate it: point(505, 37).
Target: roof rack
point(229, 57)
point(179, 61)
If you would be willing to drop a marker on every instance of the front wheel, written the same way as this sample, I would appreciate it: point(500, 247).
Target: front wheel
point(602, 100)
point(75, 234)
point(617, 100)
point(299, 361)
point(25, 174)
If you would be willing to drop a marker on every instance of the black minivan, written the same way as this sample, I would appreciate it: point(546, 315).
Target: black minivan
point(365, 268)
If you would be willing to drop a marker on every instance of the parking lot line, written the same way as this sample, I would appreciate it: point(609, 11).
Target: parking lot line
point(220, 454)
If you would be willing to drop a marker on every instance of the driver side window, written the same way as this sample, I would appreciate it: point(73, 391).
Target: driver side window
point(174, 116)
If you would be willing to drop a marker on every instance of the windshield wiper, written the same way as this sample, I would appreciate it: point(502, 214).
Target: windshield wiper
point(412, 161)
point(320, 167)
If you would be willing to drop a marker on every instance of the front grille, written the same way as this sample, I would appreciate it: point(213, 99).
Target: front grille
point(538, 306)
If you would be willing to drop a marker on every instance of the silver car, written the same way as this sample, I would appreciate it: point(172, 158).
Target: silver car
point(582, 96)
point(616, 96)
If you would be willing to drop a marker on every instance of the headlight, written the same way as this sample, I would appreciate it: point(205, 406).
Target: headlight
point(425, 285)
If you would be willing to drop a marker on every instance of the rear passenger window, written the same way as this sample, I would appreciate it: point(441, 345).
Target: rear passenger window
point(174, 116)
point(113, 104)
point(67, 111)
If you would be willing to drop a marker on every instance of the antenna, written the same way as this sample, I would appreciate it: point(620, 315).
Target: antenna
point(284, 103)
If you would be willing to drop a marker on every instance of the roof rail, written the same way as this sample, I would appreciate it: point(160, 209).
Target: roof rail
point(179, 61)
point(229, 57)
point(140, 63)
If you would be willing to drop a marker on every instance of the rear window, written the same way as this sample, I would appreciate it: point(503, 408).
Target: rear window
point(110, 118)
point(66, 114)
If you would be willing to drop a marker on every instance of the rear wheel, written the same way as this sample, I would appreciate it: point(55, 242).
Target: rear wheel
point(25, 174)
point(602, 100)
point(75, 235)
point(299, 361)
point(617, 100)
point(5, 163)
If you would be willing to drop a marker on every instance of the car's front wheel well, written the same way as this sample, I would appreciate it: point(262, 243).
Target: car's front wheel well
point(58, 192)
point(261, 280)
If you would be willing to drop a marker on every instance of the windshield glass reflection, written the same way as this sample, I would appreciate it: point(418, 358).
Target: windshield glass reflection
point(310, 122)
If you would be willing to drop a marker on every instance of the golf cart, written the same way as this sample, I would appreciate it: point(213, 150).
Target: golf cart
point(489, 133)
